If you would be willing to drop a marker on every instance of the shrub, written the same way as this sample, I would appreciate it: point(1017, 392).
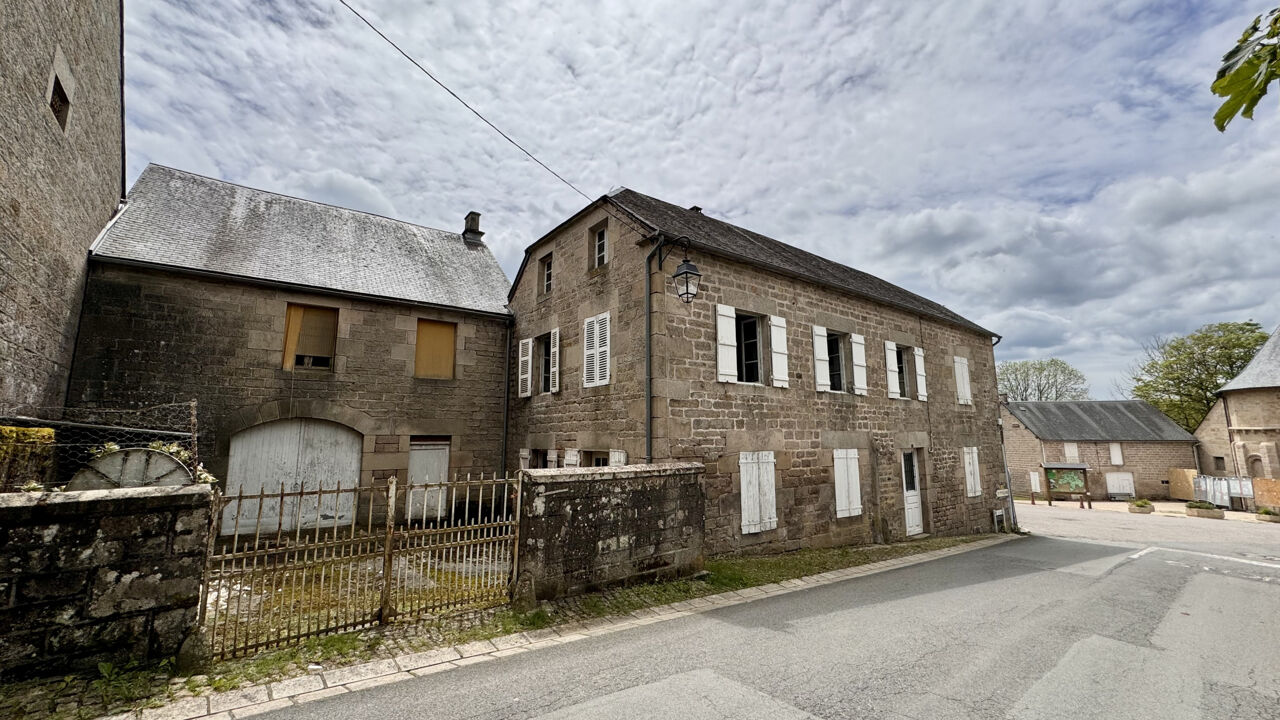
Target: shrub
point(1267, 511)
point(1140, 502)
point(1201, 505)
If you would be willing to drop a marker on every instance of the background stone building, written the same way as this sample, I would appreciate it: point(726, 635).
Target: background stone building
point(828, 405)
point(1239, 436)
point(319, 342)
point(1117, 448)
point(61, 178)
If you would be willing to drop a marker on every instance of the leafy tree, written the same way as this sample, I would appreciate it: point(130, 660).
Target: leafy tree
point(1181, 375)
point(1248, 69)
point(1041, 380)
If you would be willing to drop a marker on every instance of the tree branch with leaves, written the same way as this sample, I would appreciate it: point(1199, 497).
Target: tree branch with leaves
point(1247, 69)
point(1047, 380)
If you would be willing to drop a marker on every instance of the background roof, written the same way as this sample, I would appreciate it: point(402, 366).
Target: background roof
point(1263, 370)
point(182, 220)
point(1098, 421)
point(717, 235)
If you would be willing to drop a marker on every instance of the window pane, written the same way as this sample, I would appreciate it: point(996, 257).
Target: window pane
point(433, 356)
point(909, 471)
point(748, 348)
point(834, 343)
point(902, 372)
point(544, 347)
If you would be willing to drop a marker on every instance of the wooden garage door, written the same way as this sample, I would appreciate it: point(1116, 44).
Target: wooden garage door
point(294, 454)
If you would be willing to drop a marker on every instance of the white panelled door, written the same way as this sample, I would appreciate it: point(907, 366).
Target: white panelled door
point(911, 493)
point(429, 465)
point(1120, 483)
point(293, 454)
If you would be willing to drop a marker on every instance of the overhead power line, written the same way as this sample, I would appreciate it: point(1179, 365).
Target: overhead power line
point(475, 112)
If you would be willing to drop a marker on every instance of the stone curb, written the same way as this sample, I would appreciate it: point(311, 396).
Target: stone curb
point(257, 699)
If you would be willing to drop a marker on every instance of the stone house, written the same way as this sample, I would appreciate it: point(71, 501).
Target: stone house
point(829, 406)
point(1239, 436)
point(61, 178)
point(1116, 448)
point(319, 342)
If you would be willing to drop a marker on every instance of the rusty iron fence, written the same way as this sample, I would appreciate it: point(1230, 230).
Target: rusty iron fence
point(294, 563)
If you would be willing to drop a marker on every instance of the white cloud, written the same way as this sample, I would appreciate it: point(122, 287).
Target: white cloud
point(1048, 169)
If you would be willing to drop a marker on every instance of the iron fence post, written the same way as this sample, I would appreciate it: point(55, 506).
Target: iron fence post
point(385, 611)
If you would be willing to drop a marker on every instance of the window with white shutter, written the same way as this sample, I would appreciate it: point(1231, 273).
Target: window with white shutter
point(759, 503)
point(848, 483)
point(1117, 455)
point(778, 350)
point(821, 359)
point(617, 458)
point(972, 477)
point(572, 457)
point(555, 361)
point(858, 347)
point(964, 393)
point(726, 344)
point(1071, 452)
point(920, 388)
point(525, 368)
point(595, 351)
point(891, 368)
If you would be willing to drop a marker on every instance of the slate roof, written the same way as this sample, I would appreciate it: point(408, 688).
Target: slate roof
point(1098, 421)
point(181, 220)
point(1263, 371)
point(730, 240)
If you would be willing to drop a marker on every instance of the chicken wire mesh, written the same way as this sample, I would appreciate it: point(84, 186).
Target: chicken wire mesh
point(42, 448)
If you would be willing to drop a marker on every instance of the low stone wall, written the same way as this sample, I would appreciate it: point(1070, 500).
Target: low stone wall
point(582, 529)
point(99, 575)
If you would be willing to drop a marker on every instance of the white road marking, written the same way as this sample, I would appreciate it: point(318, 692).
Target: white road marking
point(1228, 558)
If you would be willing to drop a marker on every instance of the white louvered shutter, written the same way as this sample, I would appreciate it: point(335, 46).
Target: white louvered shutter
point(848, 483)
point(858, 345)
point(555, 360)
point(602, 349)
point(572, 458)
point(768, 494)
point(525, 368)
point(617, 458)
point(553, 456)
point(524, 458)
point(821, 363)
point(589, 377)
point(726, 344)
point(964, 394)
point(920, 388)
point(778, 348)
point(749, 475)
point(891, 367)
point(972, 477)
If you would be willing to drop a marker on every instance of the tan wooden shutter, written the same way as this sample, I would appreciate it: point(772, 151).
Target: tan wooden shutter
point(920, 388)
point(778, 348)
point(859, 346)
point(821, 362)
point(434, 353)
point(292, 326)
point(891, 367)
point(525, 368)
point(319, 331)
point(726, 344)
point(555, 360)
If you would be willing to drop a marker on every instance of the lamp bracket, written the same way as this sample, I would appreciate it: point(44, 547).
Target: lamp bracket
point(666, 246)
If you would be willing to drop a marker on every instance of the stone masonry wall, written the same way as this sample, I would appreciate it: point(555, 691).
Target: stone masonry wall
point(1148, 461)
point(1214, 443)
point(152, 337)
point(584, 529)
point(699, 419)
point(93, 575)
point(58, 187)
point(1022, 452)
point(1255, 431)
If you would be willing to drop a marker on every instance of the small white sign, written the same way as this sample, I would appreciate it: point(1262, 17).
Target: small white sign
point(1002, 493)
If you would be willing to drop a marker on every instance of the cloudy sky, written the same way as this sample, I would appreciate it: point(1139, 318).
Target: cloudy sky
point(1048, 169)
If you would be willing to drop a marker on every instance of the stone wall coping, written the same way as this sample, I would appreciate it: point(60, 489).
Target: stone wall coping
point(621, 472)
point(104, 502)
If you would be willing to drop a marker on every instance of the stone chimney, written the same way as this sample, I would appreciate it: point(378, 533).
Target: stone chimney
point(472, 234)
point(696, 209)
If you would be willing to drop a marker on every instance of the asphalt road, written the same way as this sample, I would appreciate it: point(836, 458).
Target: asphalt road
point(1042, 627)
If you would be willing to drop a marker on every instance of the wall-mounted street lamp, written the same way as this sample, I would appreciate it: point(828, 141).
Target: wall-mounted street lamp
point(686, 280)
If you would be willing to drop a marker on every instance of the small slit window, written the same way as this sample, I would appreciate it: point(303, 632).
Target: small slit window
point(545, 274)
point(310, 337)
point(59, 103)
point(599, 246)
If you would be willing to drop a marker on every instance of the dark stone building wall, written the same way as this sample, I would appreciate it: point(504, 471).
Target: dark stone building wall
point(151, 337)
point(58, 187)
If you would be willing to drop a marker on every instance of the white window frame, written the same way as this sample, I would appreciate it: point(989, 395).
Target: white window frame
point(848, 479)
point(1117, 454)
point(757, 472)
point(596, 351)
point(964, 388)
point(972, 472)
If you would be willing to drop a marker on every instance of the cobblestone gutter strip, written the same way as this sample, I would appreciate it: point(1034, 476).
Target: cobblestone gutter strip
point(254, 700)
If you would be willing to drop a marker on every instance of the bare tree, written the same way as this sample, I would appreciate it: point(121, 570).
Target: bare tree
point(1041, 380)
